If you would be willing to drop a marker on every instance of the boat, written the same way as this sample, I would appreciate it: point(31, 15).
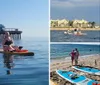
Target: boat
point(75, 78)
point(87, 69)
point(19, 52)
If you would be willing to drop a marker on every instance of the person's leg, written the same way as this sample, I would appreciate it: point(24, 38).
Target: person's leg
point(72, 60)
point(6, 48)
point(75, 61)
point(11, 48)
point(17, 47)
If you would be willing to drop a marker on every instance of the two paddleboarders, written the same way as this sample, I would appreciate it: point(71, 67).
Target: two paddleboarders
point(78, 32)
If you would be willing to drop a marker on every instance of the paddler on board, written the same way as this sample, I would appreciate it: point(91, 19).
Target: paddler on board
point(8, 43)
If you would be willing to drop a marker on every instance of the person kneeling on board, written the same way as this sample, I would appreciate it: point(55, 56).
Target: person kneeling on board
point(8, 43)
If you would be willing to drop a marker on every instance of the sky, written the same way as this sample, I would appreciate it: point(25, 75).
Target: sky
point(30, 16)
point(75, 9)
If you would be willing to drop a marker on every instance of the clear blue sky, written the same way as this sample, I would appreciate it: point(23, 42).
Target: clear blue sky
point(76, 9)
point(30, 16)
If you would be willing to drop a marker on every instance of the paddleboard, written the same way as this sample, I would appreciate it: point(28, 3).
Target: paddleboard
point(87, 69)
point(76, 79)
point(21, 52)
point(68, 33)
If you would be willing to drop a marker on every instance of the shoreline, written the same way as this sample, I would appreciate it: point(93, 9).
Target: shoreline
point(83, 29)
point(65, 64)
point(68, 57)
point(56, 62)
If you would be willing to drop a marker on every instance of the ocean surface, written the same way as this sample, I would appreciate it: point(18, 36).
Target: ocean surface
point(59, 36)
point(26, 70)
point(63, 50)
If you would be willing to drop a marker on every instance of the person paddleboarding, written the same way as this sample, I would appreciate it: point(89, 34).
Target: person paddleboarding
point(8, 43)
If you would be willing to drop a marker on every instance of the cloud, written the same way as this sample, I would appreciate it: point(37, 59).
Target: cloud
point(74, 3)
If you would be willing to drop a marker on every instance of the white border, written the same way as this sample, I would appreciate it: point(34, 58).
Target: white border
point(79, 43)
point(49, 41)
point(82, 43)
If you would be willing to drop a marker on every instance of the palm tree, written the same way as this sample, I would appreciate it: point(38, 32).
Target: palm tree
point(93, 24)
point(70, 23)
point(90, 25)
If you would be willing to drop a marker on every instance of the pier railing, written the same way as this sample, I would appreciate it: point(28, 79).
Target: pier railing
point(10, 29)
point(14, 32)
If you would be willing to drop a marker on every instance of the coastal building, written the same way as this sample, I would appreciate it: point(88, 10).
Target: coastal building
point(71, 24)
point(80, 23)
point(60, 23)
point(14, 32)
point(63, 23)
point(54, 23)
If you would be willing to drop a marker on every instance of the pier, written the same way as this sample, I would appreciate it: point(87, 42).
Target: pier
point(14, 32)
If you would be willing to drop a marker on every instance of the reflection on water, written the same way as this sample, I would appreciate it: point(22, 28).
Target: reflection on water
point(26, 70)
point(8, 62)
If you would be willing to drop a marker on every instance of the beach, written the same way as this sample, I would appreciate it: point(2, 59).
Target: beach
point(65, 64)
point(84, 29)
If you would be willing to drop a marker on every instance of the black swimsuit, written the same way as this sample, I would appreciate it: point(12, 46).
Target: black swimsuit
point(8, 42)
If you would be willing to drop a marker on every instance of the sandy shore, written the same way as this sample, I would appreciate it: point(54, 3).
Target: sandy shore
point(65, 64)
point(92, 29)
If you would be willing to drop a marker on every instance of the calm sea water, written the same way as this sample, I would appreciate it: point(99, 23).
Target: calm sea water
point(59, 36)
point(63, 50)
point(26, 70)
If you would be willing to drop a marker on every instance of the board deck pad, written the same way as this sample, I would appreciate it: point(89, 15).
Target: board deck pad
point(79, 80)
point(18, 53)
point(88, 69)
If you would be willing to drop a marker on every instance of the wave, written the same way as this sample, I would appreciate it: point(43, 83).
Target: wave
point(82, 43)
point(67, 57)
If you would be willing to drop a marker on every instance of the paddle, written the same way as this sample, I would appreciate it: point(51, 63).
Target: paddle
point(20, 47)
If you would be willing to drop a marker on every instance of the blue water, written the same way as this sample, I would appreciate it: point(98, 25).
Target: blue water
point(26, 70)
point(59, 36)
point(63, 50)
